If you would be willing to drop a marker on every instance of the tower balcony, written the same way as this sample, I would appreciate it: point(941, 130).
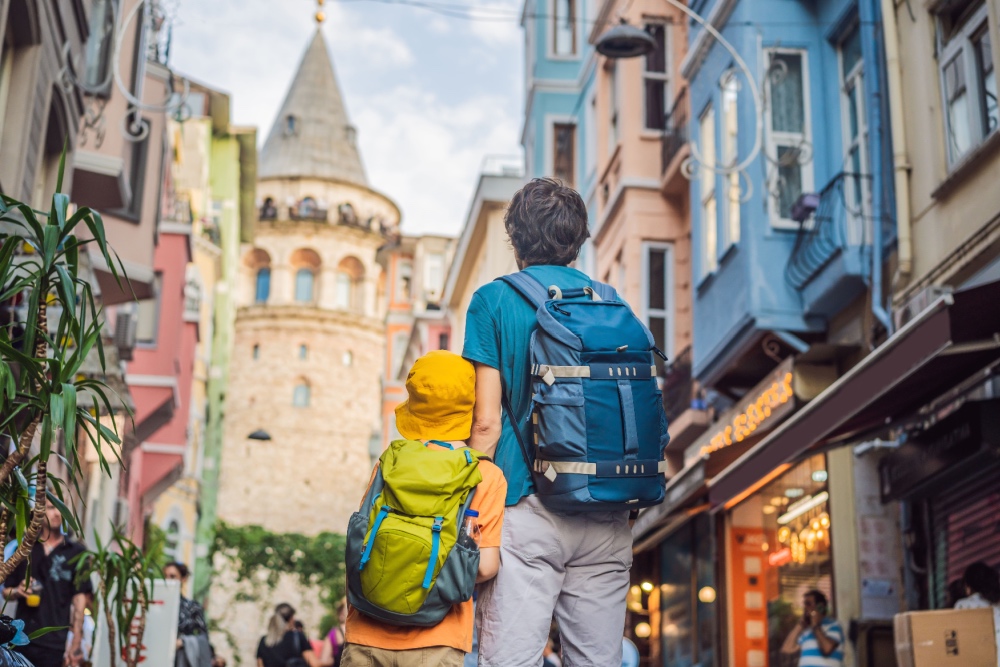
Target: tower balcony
point(828, 264)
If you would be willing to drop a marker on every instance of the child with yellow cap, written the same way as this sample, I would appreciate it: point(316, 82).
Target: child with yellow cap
point(441, 393)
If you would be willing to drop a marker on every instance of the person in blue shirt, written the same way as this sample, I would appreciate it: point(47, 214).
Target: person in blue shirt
point(574, 566)
point(818, 639)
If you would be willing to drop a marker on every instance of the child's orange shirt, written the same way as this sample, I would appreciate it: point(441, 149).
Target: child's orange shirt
point(455, 629)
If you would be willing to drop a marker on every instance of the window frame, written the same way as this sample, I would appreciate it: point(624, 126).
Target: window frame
point(104, 51)
point(856, 233)
point(157, 299)
point(707, 184)
point(774, 140)
point(961, 45)
point(553, 28)
point(340, 279)
point(552, 122)
point(297, 400)
point(299, 273)
point(663, 77)
point(256, 286)
point(668, 313)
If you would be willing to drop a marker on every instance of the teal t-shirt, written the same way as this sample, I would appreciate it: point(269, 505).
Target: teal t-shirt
point(498, 331)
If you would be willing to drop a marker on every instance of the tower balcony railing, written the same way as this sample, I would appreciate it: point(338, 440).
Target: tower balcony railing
point(836, 219)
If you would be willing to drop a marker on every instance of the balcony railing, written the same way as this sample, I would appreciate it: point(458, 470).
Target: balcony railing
point(678, 386)
point(676, 134)
point(308, 213)
point(836, 218)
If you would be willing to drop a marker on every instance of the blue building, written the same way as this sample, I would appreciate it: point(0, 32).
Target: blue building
point(560, 66)
point(789, 197)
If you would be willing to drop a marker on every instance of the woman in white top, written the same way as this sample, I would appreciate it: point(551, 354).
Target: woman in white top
point(982, 585)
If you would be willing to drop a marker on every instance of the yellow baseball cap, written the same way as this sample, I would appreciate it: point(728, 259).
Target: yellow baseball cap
point(442, 392)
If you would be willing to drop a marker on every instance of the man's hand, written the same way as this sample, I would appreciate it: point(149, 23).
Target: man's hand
point(815, 619)
point(74, 654)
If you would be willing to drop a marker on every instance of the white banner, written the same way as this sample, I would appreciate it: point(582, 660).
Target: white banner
point(159, 641)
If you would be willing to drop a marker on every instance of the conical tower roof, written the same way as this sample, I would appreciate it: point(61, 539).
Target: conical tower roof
point(312, 136)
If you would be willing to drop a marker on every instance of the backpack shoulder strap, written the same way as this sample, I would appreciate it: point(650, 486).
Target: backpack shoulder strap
point(606, 292)
point(527, 286)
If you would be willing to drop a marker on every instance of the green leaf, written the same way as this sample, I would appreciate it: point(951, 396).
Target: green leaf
point(21, 480)
point(72, 250)
point(56, 408)
point(67, 288)
point(60, 206)
point(64, 510)
point(50, 246)
point(22, 517)
point(62, 165)
point(41, 632)
point(69, 418)
point(46, 444)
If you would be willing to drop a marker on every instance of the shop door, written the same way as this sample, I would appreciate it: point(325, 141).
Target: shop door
point(966, 524)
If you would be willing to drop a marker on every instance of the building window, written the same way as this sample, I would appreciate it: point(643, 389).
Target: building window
point(709, 222)
point(854, 129)
point(730, 157)
point(348, 359)
point(433, 277)
point(968, 79)
point(564, 28)
point(613, 107)
point(256, 352)
point(303, 351)
point(100, 42)
point(304, 279)
point(655, 77)
point(789, 136)
point(148, 315)
point(263, 285)
point(658, 306)
point(291, 125)
point(564, 152)
point(343, 300)
point(443, 341)
point(172, 538)
point(404, 282)
point(301, 395)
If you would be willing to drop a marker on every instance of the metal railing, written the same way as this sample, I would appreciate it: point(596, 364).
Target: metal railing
point(675, 136)
point(678, 385)
point(837, 218)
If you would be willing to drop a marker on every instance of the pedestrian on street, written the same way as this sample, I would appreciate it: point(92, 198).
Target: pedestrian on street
point(818, 639)
point(193, 648)
point(982, 586)
point(53, 598)
point(574, 565)
point(333, 647)
point(283, 645)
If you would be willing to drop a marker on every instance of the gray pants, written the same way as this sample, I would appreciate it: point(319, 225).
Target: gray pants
point(575, 566)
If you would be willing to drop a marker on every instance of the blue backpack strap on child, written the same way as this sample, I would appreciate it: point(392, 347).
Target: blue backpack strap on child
point(598, 428)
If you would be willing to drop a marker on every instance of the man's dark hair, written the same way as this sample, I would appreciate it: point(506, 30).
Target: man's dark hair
point(547, 223)
point(181, 568)
point(819, 598)
point(983, 579)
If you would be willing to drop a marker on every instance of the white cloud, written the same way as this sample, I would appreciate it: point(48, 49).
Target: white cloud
point(505, 32)
point(382, 47)
point(427, 154)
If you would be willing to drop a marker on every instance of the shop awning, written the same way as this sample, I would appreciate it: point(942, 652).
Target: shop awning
point(948, 343)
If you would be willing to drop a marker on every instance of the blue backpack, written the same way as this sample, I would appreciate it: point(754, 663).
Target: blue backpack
point(597, 419)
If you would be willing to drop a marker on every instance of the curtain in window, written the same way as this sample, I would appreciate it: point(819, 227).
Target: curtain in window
point(787, 93)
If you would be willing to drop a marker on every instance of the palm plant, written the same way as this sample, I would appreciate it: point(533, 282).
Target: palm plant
point(52, 325)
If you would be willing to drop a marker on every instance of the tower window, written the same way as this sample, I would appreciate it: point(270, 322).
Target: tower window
point(256, 352)
point(301, 396)
point(303, 351)
point(291, 125)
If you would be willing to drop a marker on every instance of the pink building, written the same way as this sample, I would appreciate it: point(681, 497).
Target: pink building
point(160, 375)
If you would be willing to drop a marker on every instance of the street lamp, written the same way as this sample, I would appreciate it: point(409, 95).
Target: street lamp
point(259, 434)
point(625, 41)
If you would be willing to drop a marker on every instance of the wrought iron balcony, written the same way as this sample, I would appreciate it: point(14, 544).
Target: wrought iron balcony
point(832, 222)
point(675, 137)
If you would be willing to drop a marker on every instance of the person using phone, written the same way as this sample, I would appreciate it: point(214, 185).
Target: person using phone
point(819, 640)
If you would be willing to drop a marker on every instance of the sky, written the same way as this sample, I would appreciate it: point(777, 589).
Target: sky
point(431, 95)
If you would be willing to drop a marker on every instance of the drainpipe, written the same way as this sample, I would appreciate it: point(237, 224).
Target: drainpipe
point(873, 84)
point(900, 159)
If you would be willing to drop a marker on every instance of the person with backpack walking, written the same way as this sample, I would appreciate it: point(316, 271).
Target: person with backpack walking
point(428, 529)
point(567, 403)
point(283, 645)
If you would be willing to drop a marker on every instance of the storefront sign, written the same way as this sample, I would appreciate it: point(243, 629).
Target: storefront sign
point(765, 405)
point(925, 460)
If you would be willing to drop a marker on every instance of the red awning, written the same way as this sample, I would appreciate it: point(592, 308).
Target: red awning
point(945, 345)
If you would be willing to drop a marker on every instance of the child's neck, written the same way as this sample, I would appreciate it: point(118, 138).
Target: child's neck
point(454, 443)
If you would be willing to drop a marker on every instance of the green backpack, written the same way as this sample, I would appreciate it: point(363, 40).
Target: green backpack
point(404, 563)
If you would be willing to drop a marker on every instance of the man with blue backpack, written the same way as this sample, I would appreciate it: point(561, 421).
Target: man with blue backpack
point(568, 406)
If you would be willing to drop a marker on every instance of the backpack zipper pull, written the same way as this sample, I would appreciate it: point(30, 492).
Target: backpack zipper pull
point(659, 353)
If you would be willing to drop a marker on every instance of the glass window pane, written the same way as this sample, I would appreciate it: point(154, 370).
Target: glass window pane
point(787, 93)
point(656, 111)
point(852, 112)
point(709, 225)
point(343, 295)
point(564, 153)
point(789, 180)
point(987, 83)
point(959, 129)
point(565, 21)
point(304, 286)
point(263, 290)
point(657, 280)
point(954, 78)
point(850, 50)
point(676, 565)
point(656, 60)
point(658, 327)
point(733, 217)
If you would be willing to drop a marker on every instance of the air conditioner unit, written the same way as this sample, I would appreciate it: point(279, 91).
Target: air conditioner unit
point(125, 324)
point(918, 303)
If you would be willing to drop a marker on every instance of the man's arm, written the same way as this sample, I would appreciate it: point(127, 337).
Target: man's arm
point(74, 654)
point(827, 644)
point(791, 644)
point(486, 422)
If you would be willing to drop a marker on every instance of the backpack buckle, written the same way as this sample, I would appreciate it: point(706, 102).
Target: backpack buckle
point(438, 521)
